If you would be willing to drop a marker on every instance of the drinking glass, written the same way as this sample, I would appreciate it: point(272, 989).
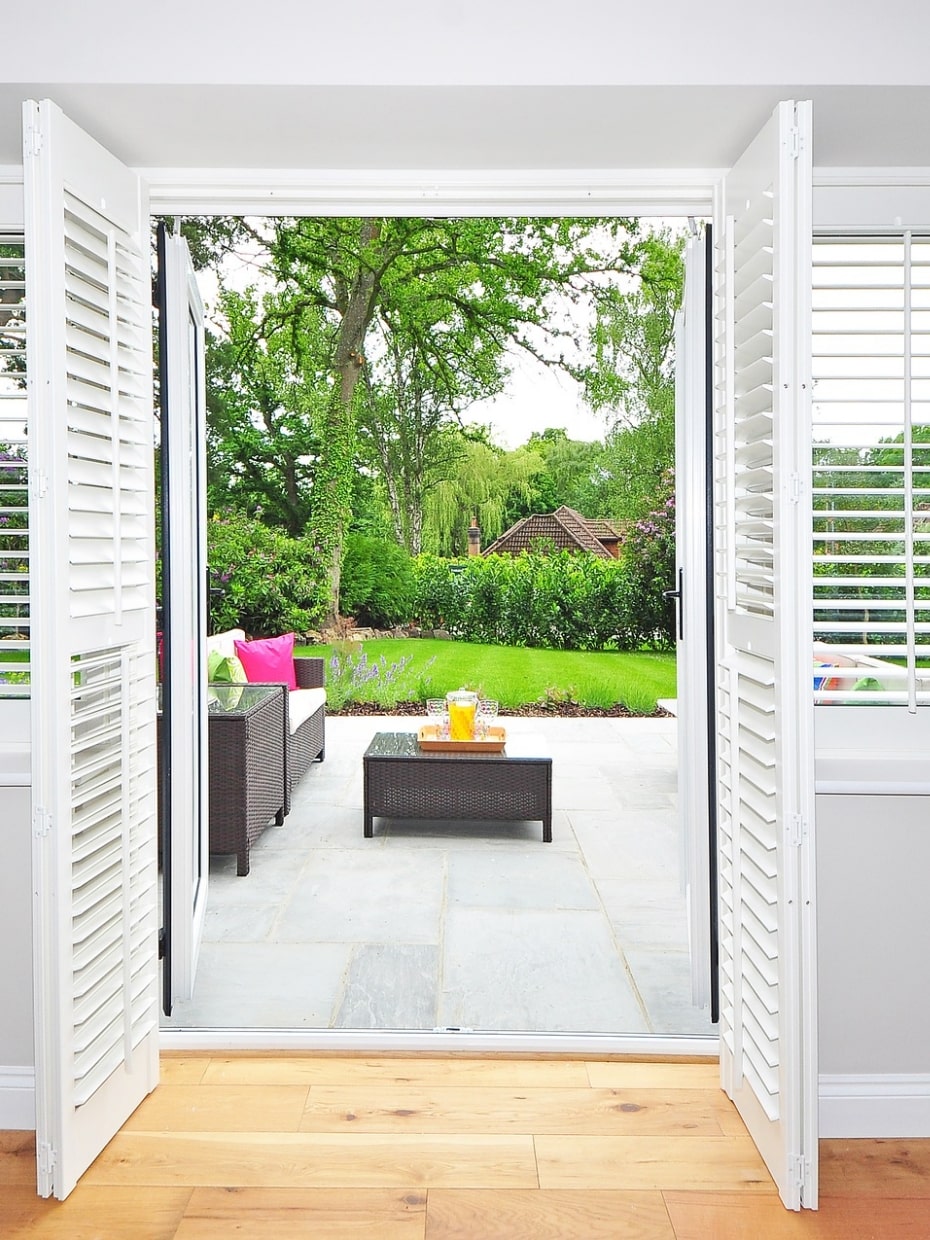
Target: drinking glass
point(486, 716)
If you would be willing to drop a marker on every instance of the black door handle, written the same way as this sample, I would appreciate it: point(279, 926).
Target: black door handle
point(678, 594)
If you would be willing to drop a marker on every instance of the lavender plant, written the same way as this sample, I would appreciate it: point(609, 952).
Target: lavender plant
point(352, 677)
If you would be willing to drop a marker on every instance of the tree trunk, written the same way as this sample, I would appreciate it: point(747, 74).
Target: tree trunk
point(331, 502)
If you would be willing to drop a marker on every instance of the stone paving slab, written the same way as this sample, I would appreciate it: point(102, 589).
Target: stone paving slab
point(462, 924)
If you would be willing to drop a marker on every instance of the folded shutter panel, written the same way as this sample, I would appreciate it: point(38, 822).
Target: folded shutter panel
point(93, 701)
point(765, 760)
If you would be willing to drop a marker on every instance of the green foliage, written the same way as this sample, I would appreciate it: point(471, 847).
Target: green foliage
point(561, 602)
point(486, 479)
point(351, 676)
point(421, 313)
point(649, 562)
point(633, 383)
point(377, 585)
point(267, 396)
point(267, 583)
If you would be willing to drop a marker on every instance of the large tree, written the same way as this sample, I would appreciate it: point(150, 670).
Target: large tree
point(633, 382)
point(485, 480)
point(411, 411)
point(266, 397)
point(452, 290)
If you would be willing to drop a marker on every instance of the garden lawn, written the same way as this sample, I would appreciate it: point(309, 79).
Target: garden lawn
point(515, 676)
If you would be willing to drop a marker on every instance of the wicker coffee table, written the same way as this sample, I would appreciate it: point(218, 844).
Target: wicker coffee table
point(403, 781)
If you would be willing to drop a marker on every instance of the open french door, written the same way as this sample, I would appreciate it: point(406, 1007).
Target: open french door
point(93, 673)
point(695, 629)
point(764, 698)
point(184, 779)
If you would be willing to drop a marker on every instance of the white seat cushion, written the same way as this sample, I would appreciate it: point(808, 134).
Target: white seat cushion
point(224, 643)
point(302, 703)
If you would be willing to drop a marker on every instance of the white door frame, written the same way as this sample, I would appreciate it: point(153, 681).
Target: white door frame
point(185, 808)
point(612, 193)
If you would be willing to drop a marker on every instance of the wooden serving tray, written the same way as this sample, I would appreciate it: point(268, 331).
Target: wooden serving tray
point(429, 739)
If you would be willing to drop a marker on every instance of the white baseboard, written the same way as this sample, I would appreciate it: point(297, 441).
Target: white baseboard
point(17, 1098)
point(888, 1105)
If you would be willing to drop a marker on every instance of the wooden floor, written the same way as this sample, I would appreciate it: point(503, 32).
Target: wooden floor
point(414, 1148)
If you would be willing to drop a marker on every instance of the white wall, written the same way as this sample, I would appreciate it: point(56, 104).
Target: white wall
point(873, 924)
point(873, 873)
point(17, 1050)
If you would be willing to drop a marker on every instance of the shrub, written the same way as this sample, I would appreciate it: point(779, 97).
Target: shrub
point(377, 585)
point(649, 557)
point(265, 582)
point(560, 601)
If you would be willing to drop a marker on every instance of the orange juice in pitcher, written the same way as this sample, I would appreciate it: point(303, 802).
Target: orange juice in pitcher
point(462, 704)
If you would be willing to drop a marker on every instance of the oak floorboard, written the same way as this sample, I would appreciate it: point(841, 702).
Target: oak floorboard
point(736, 1216)
point(486, 1109)
point(876, 1168)
point(311, 1160)
point(631, 1074)
point(511, 1214)
point(298, 1214)
point(220, 1108)
point(93, 1214)
point(353, 1070)
point(664, 1162)
point(17, 1158)
point(179, 1068)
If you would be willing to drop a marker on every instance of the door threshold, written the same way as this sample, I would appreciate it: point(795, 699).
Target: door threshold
point(440, 1042)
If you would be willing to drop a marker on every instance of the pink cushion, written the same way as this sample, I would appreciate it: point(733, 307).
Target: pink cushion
point(269, 659)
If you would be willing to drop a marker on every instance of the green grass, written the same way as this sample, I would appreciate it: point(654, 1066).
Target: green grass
point(517, 676)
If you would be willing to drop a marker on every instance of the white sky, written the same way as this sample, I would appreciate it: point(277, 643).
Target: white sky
point(536, 398)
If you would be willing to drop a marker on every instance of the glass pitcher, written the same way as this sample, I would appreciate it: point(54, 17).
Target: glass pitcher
point(462, 704)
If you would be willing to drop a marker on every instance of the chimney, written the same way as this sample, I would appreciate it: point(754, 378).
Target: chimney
point(474, 538)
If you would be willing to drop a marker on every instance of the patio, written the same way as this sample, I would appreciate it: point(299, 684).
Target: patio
point(462, 925)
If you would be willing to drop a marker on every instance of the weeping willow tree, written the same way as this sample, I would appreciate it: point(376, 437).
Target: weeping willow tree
point(486, 478)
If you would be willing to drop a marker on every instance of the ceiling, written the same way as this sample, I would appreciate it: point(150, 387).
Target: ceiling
point(472, 127)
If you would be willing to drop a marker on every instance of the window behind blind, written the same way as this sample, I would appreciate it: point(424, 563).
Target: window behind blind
point(871, 469)
point(14, 490)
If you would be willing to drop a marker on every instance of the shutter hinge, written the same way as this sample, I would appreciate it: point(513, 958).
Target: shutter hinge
point(41, 822)
point(39, 483)
point(799, 1169)
point(33, 140)
point(797, 830)
point(795, 488)
point(794, 142)
point(45, 1157)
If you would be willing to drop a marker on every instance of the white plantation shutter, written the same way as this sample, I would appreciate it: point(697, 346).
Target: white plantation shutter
point(871, 469)
point(14, 494)
point(93, 747)
point(765, 759)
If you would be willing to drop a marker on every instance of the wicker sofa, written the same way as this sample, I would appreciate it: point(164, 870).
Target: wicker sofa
point(305, 709)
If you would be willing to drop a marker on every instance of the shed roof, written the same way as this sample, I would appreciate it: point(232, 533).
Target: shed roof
point(565, 529)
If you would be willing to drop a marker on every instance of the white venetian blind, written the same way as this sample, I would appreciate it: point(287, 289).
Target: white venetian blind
point(871, 469)
point(14, 493)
